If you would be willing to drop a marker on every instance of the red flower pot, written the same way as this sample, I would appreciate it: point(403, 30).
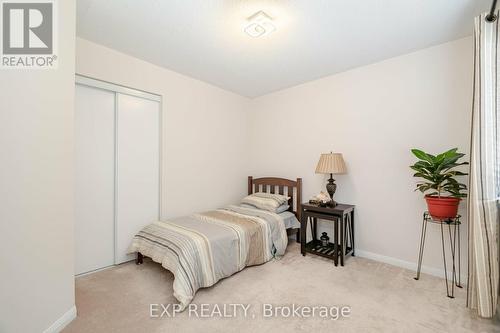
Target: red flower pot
point(442, 208)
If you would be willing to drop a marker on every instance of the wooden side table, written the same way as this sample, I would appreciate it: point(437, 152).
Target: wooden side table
point(342, 217)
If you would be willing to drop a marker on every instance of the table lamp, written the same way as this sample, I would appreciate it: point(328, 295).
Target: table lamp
point(332, 163)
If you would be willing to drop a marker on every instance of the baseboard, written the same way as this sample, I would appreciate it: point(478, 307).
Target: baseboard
point(94, 271)
point(61, 323)
point(406, 264)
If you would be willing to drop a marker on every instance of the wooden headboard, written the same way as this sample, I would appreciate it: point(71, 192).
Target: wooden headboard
point(291, 188)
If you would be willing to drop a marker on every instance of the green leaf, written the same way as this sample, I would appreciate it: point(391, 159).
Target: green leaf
point(421, 155)
point(450, 152)
point(424, 176)
point(458, 173)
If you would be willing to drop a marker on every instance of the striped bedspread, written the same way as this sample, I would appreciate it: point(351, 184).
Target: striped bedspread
point(203, 248)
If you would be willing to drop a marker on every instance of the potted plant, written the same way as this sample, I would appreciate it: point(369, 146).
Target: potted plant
point(442, 190)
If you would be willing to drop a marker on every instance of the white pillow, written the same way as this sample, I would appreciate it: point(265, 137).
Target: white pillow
point(267, 201)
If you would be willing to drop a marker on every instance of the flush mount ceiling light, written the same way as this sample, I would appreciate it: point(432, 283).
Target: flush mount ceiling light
point(260, 24)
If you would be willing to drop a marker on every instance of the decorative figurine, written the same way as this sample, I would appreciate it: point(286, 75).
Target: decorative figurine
point(325, 240)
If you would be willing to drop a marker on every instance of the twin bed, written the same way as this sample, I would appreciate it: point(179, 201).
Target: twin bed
point(203, 248)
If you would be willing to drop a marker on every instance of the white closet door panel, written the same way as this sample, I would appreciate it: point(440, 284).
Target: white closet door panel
point(137, 187)
point(94, 178)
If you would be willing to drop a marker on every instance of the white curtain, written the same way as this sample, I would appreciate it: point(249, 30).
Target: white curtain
point(483, 281)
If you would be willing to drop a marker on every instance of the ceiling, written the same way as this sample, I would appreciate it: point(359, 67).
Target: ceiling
point(204, 39)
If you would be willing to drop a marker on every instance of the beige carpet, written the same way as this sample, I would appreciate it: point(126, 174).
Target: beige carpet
point(382, 298)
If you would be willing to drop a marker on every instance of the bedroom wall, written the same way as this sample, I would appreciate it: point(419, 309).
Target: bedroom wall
point(374, 115)
point(36, 191)
point(205, 129)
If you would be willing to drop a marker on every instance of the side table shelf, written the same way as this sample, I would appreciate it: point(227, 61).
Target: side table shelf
point(328, 251)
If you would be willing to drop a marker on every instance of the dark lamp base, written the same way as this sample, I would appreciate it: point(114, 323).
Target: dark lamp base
point(332, 204)
point(331, 187)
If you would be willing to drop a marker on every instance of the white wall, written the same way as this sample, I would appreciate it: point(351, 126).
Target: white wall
point(36, 190)
point(205, 129)
point(374, 115)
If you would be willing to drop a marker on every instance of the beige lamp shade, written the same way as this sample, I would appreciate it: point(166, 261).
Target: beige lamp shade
point(331, 163)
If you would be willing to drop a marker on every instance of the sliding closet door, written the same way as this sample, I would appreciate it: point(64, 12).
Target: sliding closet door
point(94, 178)
point(137, 171)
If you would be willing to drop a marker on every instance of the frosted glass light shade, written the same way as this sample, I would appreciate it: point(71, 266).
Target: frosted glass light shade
point(260, 24)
